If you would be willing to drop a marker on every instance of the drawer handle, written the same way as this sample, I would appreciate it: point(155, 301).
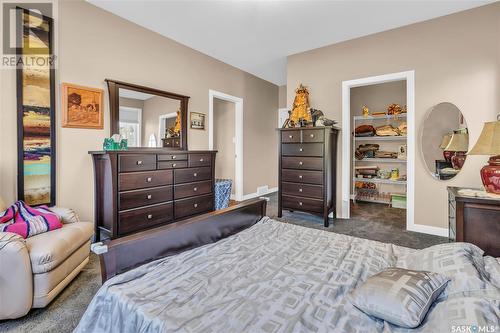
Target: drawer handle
point(139, 162)
point(195, 205)
point(300, 149)
point(312, 135)
point(195, 174)
point(173, 165)
point(150, 216)
point(174, 157)
point(300, 163)
point(300, 203)
point(290, 136)
point(201, 159)
point(300, 176)
point(195, 189)
point(300, 190)
point(149, 180)
point(149, 196)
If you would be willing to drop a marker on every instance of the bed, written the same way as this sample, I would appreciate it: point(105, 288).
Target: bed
point(239, 271)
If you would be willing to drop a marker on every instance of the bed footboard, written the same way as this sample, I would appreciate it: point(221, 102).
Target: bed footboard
point(120, 255)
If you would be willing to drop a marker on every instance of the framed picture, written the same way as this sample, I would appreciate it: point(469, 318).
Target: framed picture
point(36, 142)
point(82, 107)
point(197, 120)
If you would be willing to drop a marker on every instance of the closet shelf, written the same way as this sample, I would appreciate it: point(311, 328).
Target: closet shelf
point(373, 200)
point(380, 181)
point(380, 138)
point(357, 118)
point(381, 160)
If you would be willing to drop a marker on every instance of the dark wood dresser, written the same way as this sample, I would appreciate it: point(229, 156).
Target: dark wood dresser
point(171, 142)
point(307, 170)
point(474, 220)
point(143, 188)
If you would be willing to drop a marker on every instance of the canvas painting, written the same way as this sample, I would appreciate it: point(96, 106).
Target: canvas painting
point(197, 120)
point(36, 141)
point(82, 107)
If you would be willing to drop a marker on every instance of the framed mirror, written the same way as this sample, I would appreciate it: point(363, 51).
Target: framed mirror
point(148, 117)
point(444, 141)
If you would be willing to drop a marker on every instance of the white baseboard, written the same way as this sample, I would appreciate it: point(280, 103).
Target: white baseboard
point(256, 195)
point(427, 229)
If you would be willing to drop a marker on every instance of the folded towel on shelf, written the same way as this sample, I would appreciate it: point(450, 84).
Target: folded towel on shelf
point(364, 130)
point(386, 130)
point(385, 154)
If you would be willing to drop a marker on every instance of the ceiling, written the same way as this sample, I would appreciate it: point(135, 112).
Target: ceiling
point(257, 36)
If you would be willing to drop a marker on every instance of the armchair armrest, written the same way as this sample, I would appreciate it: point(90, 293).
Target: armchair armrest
point(67, 215)
point(16, 278)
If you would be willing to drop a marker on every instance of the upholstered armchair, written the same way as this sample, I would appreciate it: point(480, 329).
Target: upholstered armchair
point(35, 270)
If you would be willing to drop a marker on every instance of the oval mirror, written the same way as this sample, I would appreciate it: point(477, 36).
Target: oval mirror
point(445, 141)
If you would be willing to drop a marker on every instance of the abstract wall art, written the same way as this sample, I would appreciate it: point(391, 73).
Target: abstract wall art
point(82, 107)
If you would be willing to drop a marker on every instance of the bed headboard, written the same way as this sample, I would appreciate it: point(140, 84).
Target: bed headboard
point(120, 255)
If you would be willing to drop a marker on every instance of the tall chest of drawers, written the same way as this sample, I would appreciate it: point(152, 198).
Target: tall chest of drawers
point(307, 170)
point(140, 189)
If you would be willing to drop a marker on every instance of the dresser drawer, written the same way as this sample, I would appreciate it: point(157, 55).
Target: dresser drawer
point(290, 136)
point(302, 149)
point(193, 206)
point(143, 218)
point(138, 198)
point(302, 163)
point(192, 175)
point(301, 176)
point(303, 190)
point(313, 135)
point(136, 180)
point(172, 164)
point(172, 157)
point(192, 189)
point(136, 162)
point(198, 160)
point(299, 203)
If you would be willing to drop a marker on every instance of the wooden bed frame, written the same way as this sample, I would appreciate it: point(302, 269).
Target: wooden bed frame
point(122, 254)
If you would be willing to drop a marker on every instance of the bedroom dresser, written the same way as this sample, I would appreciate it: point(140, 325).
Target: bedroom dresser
point(143, 188)
point(307, 170)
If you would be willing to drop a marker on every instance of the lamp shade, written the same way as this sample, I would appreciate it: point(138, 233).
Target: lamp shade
point(458, 142)
point(445, 142)
point(489, 140)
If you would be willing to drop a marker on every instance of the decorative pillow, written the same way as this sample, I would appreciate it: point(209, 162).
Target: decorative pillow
point(399, 296)
point(28, 221)
point(66, 215)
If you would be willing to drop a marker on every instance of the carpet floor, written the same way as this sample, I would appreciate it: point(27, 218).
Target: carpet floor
point(371, 221)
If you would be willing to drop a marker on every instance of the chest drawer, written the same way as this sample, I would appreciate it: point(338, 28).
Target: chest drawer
point(313, 205)
point(138, 198)
point(136, 180)
point(172, 157)
point(302, 149)
point(142, 218)
point(303, 190)
point(313, 135)
point(193, 206)
point(302, 176)
point(136, 162)
point(192, 175)
point(302, 163)
point(192, 189)
point(171, 164)
point(198, 160)
point(290, 136)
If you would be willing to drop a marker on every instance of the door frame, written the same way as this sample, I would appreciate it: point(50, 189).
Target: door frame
point(409, 77)
point(238, 134)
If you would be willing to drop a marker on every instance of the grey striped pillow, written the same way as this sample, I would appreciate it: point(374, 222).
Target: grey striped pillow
point(399, 296)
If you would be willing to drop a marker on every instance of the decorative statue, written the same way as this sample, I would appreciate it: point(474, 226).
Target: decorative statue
point(366, 111)
point(177, 126)
point(394, 109)
point(300, 108)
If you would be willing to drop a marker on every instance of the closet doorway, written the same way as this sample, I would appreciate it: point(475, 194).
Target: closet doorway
point(377, 93)
point(225, 127)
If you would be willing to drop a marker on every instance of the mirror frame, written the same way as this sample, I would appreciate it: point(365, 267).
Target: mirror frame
point(114, 106)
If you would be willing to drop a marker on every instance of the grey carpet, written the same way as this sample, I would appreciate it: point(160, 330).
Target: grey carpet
point(371, 221)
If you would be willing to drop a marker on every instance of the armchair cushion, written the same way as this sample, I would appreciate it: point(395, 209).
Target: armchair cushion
point(49, 250)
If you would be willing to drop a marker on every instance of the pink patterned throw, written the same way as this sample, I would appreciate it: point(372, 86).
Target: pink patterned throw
point(28, 221)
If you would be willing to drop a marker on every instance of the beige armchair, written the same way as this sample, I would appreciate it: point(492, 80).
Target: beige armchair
point(35, 270)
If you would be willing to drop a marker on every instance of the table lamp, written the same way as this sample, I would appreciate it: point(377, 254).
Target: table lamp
point(446, 154)
point(489, 144)
point(459, 143)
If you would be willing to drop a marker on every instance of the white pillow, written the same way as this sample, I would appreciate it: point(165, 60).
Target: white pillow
point(66, 215)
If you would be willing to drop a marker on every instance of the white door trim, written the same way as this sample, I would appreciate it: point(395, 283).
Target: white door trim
point(238, 133)
point(409, 77)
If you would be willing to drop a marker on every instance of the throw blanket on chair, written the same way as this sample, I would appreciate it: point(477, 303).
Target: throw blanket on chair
point(28, 221)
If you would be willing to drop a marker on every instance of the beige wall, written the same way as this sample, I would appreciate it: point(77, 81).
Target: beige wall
point(94, 45)
point(282, 97)
point(456, 59)
point(224, 114)
point(154, 107)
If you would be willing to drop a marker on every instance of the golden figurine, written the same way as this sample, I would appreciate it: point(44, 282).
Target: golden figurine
point(177, 126)
point(366, 111)
point(300, 109)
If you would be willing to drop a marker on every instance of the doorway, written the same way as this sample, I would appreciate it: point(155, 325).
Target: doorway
point(225, 132)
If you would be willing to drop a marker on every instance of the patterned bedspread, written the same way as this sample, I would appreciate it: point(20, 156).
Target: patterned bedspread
point(272, 277)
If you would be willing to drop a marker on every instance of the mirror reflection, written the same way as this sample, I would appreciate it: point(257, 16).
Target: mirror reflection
point(148, 120)
point(445, 141)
